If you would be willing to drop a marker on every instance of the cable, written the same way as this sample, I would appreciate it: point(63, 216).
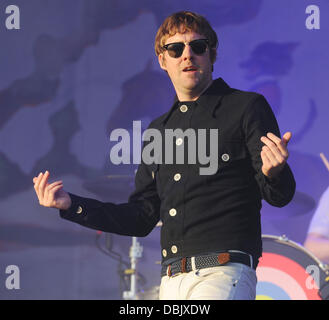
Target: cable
point(122, 272)
point(122, 279)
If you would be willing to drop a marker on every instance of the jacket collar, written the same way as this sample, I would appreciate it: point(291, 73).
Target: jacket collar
point(209, 100)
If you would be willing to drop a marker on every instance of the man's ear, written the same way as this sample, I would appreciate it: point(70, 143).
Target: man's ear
point(213, 55)
point(162, 61)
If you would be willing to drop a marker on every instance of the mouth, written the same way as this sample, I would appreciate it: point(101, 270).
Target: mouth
point(190, 69)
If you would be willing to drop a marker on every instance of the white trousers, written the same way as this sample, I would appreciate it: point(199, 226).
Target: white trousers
point(232, 281)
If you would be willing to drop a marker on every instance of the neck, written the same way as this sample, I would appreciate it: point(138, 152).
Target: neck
point(193, 95)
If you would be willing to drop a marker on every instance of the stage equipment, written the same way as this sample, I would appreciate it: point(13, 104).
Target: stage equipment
point(287, 271)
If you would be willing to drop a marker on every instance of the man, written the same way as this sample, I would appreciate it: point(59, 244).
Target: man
point(211, 236)
point(317, 240)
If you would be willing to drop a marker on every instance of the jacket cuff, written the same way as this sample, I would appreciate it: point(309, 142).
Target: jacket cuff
point(76, 210)
point(278, 179)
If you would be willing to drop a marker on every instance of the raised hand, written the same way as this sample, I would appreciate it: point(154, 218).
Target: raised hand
point(274, 153)
point(51, 195)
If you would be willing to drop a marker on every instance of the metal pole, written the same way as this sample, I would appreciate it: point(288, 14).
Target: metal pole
point(135, 252)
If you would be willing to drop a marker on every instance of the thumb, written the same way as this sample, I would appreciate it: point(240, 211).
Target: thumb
point(286, 137)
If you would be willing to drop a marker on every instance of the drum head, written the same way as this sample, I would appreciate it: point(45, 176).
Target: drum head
point(287, 271)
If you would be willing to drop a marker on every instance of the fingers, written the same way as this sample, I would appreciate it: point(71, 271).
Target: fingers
point(266, 161)
point(43, 183)
point(37, 181)
point(276, 145)
point(282, 142)
point(286, 137)
point(39, 187)
point(50, 191)
point(44, 190)
point(274, 159)
point(273, 152)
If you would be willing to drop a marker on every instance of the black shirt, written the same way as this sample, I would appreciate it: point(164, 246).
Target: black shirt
point(201, 213)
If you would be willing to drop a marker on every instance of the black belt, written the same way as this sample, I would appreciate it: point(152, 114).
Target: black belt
point(206, 261)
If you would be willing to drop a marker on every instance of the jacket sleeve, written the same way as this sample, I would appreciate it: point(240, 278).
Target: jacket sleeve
point(137, 217)
point(258, 120)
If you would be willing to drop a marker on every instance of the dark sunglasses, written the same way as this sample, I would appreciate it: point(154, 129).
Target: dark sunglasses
point(175, 49)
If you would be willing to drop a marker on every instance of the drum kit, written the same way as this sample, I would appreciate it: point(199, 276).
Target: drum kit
point(286, 270)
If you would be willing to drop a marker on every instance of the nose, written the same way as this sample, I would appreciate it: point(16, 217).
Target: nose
point(187, 52)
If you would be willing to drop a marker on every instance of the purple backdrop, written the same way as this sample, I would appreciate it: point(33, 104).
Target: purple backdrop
point(77, 69)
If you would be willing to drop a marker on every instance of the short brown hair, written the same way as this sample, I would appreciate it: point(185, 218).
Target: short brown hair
point(181, 22)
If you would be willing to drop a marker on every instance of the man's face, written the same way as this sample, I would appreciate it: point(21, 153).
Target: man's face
point(193, 81)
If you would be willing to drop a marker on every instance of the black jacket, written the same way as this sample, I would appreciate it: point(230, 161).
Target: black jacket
point(201, 213)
